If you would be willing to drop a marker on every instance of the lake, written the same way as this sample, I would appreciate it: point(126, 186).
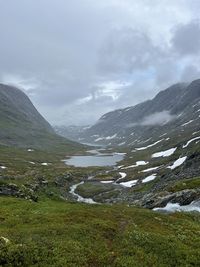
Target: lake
point(98, 160)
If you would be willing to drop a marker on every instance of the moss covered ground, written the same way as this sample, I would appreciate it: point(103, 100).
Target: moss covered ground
point(56, 232)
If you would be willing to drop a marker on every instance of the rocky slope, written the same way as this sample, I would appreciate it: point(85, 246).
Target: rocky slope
point(171, 111)
point(22, 125)
point(161, 142)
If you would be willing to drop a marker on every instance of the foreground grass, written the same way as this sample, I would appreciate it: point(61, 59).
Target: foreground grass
point(56, 233)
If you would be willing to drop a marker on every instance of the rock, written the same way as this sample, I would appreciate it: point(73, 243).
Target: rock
point(14, 190)
point(6, 240)
point(183, 197)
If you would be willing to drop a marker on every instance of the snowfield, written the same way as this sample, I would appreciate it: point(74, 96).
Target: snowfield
point(190, 141)
point(138, 163)
point(187, 123)
point(145, 147)
point(151, 169)
point(177, 163)
point(123, 175)
point(129, 183)
point(149, 178)
point(165, 153)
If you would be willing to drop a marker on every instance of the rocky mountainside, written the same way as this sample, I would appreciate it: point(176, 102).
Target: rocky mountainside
point(171, 111)
point(160, 140)
point(22, 125)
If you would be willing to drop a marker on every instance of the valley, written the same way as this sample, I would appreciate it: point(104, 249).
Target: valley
point(102, 205)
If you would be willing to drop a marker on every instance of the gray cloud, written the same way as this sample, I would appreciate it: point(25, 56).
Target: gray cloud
point(186, 39)
point(79, 59)
point(158, 118)
point(126, 49)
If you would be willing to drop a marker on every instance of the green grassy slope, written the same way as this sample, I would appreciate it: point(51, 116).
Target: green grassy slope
point(55, 233)
point(21, 125)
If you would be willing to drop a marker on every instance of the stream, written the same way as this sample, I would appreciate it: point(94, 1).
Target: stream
point(80, 198)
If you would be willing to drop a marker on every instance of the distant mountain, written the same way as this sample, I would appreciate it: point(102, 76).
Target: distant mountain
point(22, 125)
point(172, 111)
point(72, 132)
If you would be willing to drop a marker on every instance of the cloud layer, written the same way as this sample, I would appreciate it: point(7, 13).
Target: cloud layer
point(79, 59)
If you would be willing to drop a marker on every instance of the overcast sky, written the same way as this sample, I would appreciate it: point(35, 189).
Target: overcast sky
point(78, 59)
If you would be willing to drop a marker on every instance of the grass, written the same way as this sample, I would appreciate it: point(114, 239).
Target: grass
point(185, 184)
point(53, 232)
point(56, 233)
point(90, 189)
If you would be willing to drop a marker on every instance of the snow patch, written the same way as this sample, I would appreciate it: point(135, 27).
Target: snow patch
point(165, 153)
point(45, 164)
point(121, 144)
point(151, 169)
point(187, 123)
point(138, 163)
point(177, 163)
point(149, 178)
point(123, 175)
point(190, 141)
point(129, 183)
point(3, 167)
point(110, 137)
point(151, 145)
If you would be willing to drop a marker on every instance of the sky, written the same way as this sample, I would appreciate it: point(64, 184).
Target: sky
point(78, 59)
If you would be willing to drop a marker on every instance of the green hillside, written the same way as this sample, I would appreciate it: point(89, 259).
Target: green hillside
point(21, 124)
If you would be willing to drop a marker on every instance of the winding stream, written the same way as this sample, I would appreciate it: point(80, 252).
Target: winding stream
point(78, 197)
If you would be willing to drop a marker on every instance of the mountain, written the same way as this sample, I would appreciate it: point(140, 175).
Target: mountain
point(22, 125)
point(160, 141)
point(72, 132)
point(169, 112)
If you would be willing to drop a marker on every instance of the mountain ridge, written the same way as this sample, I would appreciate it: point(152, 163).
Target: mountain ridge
point(167, 111)
point(22, 125)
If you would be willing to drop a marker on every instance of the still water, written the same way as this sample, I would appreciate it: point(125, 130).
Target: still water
point(98, 159)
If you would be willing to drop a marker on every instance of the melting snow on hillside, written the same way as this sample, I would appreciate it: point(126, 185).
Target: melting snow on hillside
point(165, 153)
point(129, 183)
point(177, 163)
point(190, 141)
point(106, 138)
point(151, 169)
point(45, 164)
point(149, 178)
point(3, 167)
point(187, 123)
point(138, 163)
point(122, 174)
point(145, 147)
